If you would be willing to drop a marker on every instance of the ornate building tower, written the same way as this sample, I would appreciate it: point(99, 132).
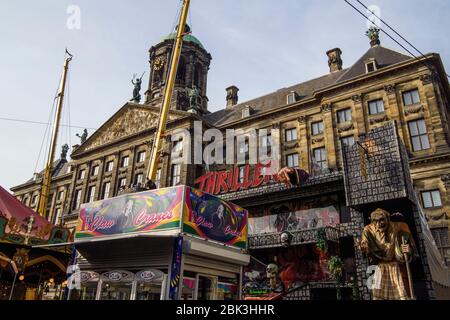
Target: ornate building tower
point(191, 81)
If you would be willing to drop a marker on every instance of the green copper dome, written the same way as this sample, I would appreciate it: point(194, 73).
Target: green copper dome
point(187, 37)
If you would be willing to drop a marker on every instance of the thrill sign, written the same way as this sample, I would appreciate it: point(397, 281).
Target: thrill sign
point(141, 212)
point(228, 181)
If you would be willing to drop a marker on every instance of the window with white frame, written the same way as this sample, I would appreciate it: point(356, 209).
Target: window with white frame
point(292, 160)
point(106, 190)
point(344, 115)
point(109, 166)
point(60, 195)
point(291, 98)
point(34, 200)
point(95, 171)
point(57, 216)
point(81, 174)
point(419, 135)
point(320, 158)
point(317, 128)
point(431, 199)
point(90, 194)
point(139, 179)
point(348, 141)
point(76, 199)
point(243, 147)
point(241, 174)
point(122, 182)
point(178, 146)
point(266, 141)
point(376, 106)
point(246, 112)
point(176, 175)
point(124, 162)
point(141, 156)
point(158, 179)
point(371, 65)
point(411, 97)
point(291, 135)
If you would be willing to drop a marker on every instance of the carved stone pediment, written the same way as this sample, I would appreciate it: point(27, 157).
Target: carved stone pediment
point(347, 126)
point(414, 109)
point(378, 119)
point(318, 140)
point(130, 120)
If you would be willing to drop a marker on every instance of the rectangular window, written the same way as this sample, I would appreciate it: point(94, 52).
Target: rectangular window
point(60, 195)
point(81, 174)
point(57, 217)
point(266, 141)
point(419, 135)
point(292, 160)
point(76, 200)
point(317, 128)
point(158, 178)
point(94, 171)
point(320, 159)
point(141, 156)
point(109, 166)
point(178, 146)
point(241, 174)
point(176, 174)
point(344, 115)
point(124, 162)
point(106, 189)
point(291, 134)
point(139, 179)
point(122, 182)
point(376, 106)
point(440, 236)
point(291, 98)
point(34, 200)
point(370, 67)
point(91, 194)
point(411, 97)
point(348, 141)
point(243, 147)
point(431, 199)
point(245, 113)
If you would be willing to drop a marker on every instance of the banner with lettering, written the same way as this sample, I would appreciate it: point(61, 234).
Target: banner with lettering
point(211, 218)
point(147, 211)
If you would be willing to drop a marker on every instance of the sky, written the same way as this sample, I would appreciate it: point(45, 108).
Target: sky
point(258, 45)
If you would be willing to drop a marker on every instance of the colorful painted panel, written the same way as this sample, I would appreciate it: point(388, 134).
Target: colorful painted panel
point(139, 212)
point(211, 218)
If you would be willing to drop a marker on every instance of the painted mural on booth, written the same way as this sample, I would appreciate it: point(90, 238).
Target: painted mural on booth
point(211, 218)
point(140, 212)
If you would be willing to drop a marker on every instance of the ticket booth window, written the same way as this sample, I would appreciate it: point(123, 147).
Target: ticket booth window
point(116, 285)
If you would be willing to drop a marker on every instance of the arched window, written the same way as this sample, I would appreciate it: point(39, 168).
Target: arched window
point(181, 73)
point(198, 76)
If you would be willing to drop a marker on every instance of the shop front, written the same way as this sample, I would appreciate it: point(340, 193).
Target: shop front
point(169, 244)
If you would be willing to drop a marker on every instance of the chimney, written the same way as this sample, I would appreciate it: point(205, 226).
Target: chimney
point(334, 59)
point(232, 96)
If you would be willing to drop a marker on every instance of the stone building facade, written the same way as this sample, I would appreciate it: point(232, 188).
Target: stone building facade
point(314, 117)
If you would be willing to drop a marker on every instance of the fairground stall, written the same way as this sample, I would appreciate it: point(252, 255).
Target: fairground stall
point(165, 244)
point(28, 273)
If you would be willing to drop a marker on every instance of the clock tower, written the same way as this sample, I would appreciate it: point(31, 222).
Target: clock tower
point(192, 74)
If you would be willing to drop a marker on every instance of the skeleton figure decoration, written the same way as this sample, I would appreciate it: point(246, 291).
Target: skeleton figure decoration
point(388, 245)
point(272, 275)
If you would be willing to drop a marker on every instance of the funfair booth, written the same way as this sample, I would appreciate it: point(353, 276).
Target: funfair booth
point(166, 244)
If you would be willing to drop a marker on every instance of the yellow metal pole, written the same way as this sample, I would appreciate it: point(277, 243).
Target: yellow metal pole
point(45, 190)
point(153, 168)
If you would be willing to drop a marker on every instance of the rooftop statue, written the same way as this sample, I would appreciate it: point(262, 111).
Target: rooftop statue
point(137, 82)
point(83, 136)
